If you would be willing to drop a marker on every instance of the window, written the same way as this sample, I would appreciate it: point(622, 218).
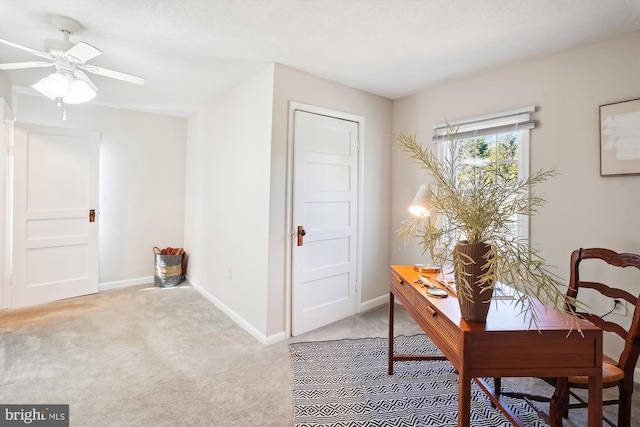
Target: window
point(496, 145)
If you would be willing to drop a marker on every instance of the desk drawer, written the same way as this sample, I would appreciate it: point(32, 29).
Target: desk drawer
point(403, 288)
point(445, 331)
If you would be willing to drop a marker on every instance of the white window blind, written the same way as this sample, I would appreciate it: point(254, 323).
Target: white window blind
point(508, 121)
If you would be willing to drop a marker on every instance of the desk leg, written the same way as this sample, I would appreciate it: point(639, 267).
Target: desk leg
point(464, 400)
point(595, 400)
point(390, 346)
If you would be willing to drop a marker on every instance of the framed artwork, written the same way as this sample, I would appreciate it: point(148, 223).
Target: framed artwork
point(620, 138)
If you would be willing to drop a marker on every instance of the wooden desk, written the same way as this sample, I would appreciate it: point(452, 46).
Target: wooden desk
point(503, 347)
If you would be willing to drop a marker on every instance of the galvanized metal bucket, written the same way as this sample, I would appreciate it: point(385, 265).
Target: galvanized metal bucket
point(168, 270)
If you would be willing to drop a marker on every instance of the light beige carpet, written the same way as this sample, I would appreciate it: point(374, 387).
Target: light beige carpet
point(145, 356)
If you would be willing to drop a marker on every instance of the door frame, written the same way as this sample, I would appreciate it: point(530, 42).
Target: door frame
point(7, 118)
point(290, 233)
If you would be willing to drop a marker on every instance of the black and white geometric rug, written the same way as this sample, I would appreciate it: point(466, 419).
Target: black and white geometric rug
point(345, 383)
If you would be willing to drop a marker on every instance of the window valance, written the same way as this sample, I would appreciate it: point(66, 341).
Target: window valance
point(508, 121)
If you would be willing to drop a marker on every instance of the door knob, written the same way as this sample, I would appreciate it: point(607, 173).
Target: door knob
point(301, 234)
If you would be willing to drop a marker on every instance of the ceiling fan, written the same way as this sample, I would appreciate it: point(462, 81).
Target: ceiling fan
point(69, 83)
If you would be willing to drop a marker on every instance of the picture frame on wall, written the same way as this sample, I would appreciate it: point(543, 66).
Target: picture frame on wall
point(620, 138)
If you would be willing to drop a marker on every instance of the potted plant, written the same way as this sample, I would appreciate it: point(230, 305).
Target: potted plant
point(475, 213)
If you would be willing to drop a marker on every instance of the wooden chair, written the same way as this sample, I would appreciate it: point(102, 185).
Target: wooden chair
point(615, 373)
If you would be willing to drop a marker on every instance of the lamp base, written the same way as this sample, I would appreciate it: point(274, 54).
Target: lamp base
point(426, 269)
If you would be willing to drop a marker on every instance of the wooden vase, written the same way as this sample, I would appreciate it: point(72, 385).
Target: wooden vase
point(471, 266)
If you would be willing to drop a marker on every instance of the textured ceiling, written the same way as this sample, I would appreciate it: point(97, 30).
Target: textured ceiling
point(190, 50)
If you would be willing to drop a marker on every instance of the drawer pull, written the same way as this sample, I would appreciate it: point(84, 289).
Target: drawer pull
point(431, 311)
point(399, 280)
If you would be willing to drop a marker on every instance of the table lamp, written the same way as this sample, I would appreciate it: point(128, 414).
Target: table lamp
point(421, 208)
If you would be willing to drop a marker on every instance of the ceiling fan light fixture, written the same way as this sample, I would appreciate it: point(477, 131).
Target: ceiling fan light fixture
point(53, 86)
point(70, 89)
point(69, 84)
point(79, 92)
point(43, 88)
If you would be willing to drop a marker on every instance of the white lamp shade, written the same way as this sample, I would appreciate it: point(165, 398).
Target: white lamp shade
point(53, 86)
point(79, 92)
point(421, 206)
point(42, 87)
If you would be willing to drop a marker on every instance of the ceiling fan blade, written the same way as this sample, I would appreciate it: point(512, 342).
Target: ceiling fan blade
point(26, 49)
point(82, 76)
point(83, 52)
point(112, 73)
point(21, 65)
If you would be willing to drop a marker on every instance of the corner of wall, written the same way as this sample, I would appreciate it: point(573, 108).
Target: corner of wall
point(6, 90)
point(228, 163)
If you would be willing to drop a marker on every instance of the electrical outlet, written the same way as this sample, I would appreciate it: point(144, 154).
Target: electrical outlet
point(619, 307)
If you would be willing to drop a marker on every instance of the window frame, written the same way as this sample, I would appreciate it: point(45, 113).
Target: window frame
point(520, 121)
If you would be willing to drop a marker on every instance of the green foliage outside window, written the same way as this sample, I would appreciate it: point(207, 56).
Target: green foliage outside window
point(492, 157)
point(495, 155)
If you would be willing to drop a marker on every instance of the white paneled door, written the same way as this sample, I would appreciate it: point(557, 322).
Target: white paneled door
point(325, 196)
point(55, 205)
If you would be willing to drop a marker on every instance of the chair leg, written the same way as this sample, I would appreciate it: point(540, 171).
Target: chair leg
point(558, 406)
point(567, 398)
point(624, 408)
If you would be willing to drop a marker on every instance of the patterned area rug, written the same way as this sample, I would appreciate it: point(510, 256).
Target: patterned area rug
point(345, 383)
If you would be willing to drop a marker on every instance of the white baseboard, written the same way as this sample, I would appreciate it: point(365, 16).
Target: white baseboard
point(280, 336)
point(272, 339)
point(124, 283)
point(265, 340)
point(373, 303)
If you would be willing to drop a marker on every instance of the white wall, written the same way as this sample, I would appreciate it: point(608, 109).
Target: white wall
point(142, 170)
point(294, 85)
point(227, 201)
point(237, 158)
point(583, 209)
